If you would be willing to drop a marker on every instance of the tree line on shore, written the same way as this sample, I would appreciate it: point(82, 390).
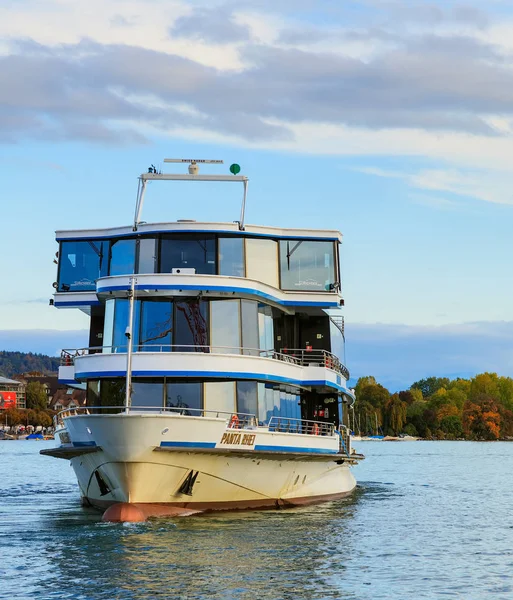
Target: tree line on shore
point(480, 408)
point(36, 412)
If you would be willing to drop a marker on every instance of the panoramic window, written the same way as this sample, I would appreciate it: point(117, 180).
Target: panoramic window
point(81, 264)
point(307, 265)
point(231, 256)
point(192, 252)
point(122, 257)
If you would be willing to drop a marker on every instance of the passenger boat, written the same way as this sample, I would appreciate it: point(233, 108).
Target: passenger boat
point(215, 371)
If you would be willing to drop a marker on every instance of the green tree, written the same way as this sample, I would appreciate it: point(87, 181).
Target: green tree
point(36, 396)
point(452, 426)
point(362, 382)
point(506, 392)
point(430, 385)
point(396, 413)
point(484, 384)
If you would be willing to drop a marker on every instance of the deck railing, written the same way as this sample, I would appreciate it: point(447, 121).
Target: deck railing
point(316, 358)
point(234, 420)
point(289, 425)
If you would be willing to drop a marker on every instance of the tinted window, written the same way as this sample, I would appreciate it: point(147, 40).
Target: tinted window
point(185, 396)
point(112, 392)
point(247, 401)
point(156, 326)
point(307, 265)
point(147, 394)
point(121, 317)
point(122, 257)
point(231, 256)
point(191, 329)
point(81, 264)
point(195, 252)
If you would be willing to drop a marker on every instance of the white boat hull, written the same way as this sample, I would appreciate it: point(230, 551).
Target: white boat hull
point(148, 461)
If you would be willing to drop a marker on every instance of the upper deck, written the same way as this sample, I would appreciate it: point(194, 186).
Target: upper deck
point(293, 266)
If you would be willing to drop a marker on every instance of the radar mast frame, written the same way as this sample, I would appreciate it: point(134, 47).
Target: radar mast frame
point(193, 175)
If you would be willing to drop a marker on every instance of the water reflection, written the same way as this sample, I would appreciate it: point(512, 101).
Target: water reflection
point(268, 554)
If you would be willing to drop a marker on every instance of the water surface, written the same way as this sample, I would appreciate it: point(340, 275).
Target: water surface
point(428, 520)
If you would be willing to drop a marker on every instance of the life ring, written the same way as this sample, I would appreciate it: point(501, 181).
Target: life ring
point(234, 422)
point(316, 429)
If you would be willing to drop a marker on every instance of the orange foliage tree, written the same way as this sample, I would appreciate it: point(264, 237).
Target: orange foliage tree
point(481, 419)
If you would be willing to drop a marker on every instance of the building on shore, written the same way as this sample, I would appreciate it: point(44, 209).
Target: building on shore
point(67, 398)
point(12, 393)
point(50, 382)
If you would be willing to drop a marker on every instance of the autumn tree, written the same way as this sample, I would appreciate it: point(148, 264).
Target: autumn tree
point(481, 419)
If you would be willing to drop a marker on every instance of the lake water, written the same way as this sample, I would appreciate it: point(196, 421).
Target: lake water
point(429, 520)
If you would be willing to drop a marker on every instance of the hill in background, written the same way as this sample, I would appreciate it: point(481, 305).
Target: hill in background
point(12, 363)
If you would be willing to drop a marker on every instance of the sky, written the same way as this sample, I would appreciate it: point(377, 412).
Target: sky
point(390, 120)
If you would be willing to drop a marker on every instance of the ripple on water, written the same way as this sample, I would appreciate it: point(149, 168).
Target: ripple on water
point(428, 520)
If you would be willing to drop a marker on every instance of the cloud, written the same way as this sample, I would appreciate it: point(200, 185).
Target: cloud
point(426, 79)
point(398, 355)
point(89, 91)
point(216, 25)
point(478, 183)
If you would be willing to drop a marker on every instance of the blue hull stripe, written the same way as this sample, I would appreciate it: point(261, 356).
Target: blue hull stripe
point(217, 374)
point(217, 288)
point(187, 444)
point(257, 448)
point(83, 444)
point(78, 303)
point(294, 449)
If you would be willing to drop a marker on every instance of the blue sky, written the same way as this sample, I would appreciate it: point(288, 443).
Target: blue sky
point(391, 121)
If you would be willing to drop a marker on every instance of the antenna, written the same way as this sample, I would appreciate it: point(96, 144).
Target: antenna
point(193, 166)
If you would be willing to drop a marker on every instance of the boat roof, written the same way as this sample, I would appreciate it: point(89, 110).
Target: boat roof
point(189, 226)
